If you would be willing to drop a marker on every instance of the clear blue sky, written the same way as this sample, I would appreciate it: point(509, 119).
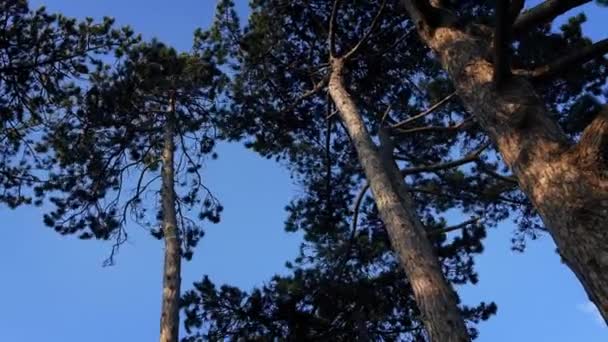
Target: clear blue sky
point(55, 290)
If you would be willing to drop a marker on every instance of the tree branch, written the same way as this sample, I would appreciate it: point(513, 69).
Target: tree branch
point(515, 9)
point(357, 206)
point(463, 124)
point(462, 225)
point(579, 57)
point(483, 168)
point(469, 158)
point(332, 28)
point(502, 43)
point(368, 33)
point(545, 12)
point(426, 112)
point(418, 11)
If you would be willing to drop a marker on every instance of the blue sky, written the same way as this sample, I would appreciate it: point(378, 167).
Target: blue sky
point(55, 290)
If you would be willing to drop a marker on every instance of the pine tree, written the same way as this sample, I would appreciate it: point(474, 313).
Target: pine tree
point(143, 128)
point(283, 105)
point(41, 55)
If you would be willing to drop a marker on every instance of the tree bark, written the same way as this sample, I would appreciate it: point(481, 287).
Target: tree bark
point(169, 323)
point(436, 299)
point(566, 182)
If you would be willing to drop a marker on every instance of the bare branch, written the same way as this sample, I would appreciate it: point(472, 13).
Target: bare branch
point(581, 56)
point(467, 197)
point(331, 115)
point(463, 124)
point(364, 39)
point(426, 112)
point(385, 115)
point(462, 225)
point(357, 206)
point(314, 90)
point(309, 93)
point(544, 13)
point(485, 169)
point(332, 28)
point(469, 158)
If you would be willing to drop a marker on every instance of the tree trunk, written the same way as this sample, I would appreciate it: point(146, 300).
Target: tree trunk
point(436, 299)
point(169, 323)
point(567, 183)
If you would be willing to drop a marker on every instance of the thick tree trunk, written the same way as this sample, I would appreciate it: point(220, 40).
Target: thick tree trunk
point(169, 322)
point(567, 183)
point(436, 299)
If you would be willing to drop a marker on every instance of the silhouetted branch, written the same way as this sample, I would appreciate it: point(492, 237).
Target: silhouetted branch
point(469, 158)
point(463, 124)
point(332, 28)
point(515, 9)
point(579, 57)
point(502, 42)
point(462, 225)
point(545, 12)
point(368, 33)
point(426, 112)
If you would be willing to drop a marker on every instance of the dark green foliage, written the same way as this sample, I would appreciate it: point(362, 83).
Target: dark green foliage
point(343, 283)
point(106, 149)
point(41, 57)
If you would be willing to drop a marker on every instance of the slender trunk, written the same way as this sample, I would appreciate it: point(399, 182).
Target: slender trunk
point(169, 322)
point(567, 183)
point(436, 299)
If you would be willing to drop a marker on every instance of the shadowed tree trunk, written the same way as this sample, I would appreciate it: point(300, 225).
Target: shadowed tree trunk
point(566, 182)
point(435, 298)
point(169, 323)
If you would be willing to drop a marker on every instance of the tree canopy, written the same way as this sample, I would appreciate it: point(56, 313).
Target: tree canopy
point(486, 111)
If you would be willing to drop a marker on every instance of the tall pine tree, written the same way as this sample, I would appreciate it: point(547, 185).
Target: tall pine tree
point(282, 106)
point(141, 132)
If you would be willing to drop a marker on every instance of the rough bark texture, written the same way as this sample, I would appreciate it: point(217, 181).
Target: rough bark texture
point(436, 300)
point(169, 322)
point(567, 183)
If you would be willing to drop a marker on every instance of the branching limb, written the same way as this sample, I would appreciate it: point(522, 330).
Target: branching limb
point(369, 32)
point(579, 57)
point(426, 112)
point(545, 12)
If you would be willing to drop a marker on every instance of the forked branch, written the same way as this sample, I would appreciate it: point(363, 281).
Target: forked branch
point(369, 32)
